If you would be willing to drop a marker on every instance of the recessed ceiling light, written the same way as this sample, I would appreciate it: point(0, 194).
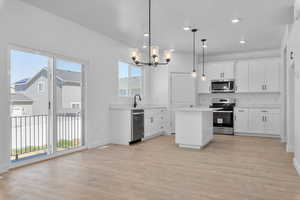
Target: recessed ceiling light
point(146, 34)
point(235, 21)
point(243, 42)
point(187, 28)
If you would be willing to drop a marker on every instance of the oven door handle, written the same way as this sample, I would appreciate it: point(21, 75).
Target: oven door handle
point(224, 111)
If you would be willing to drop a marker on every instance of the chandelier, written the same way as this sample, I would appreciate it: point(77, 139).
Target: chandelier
point(153, 51)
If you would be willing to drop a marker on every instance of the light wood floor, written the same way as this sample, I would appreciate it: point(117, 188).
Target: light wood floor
point(230, 168)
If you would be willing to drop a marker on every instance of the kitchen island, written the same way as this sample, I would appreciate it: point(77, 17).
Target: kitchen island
point(193, 127)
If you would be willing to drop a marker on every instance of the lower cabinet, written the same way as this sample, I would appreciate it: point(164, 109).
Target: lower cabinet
point(257, 121)
point(157, 121)
point(241, 120)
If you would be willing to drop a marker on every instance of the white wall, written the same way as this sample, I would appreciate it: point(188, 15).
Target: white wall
point(294, 45)
point(28, 26)
point(160, 79)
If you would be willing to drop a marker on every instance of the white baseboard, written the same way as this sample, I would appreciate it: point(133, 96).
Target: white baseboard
point(290, 148)
point(3, 169)
point(296, 165)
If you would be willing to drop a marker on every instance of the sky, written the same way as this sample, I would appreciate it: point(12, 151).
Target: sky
point(26, 65)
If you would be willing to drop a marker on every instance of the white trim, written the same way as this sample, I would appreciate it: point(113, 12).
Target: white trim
point(54, 56)
point(296, 165)
point(290, 148)
point(3, 169)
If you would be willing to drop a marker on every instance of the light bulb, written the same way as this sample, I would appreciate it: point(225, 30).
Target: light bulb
point(156, 59)
point(134, 53)
point(168, 55)
point(154, 51)
point(194, 74)
point(203, 77)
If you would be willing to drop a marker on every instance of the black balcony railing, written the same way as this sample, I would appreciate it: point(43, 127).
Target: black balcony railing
point(30, 134)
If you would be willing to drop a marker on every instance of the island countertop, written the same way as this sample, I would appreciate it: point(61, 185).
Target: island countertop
point(195, 109)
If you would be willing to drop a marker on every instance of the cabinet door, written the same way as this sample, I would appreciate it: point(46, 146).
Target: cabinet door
point(227, 68)
point(256, 121)
point(242, 76)
point(272, 123)
point(241, 120)
point(204, 86)
point(214, 71)
point(257, 76)
point(272, 75)
point(183, 89)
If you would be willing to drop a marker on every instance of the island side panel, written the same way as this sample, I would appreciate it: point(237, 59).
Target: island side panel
point(188, 128)
point(207, 128)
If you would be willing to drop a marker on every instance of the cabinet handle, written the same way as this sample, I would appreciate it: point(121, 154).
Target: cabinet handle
point(265, 87)
point(263, 118)
point(241, 110)
point(234, 118)
point(266, 119)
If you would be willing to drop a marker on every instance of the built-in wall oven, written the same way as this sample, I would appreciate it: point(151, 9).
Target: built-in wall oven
point(223, 118)
point(222, 86)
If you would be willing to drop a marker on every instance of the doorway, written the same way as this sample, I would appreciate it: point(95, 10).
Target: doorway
point(47, 110)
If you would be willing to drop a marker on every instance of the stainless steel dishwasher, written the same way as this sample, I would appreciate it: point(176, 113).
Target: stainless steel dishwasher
point(137, 125)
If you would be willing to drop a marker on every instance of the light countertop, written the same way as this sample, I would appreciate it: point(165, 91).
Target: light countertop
point(130, 107)
point(195, 109)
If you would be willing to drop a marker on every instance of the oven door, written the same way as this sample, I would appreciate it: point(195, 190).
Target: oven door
point(222, 86)
point(223, 119)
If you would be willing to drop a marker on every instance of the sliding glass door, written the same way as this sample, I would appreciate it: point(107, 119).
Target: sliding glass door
point(30, 89)
point(68, 105)
point(46, 110)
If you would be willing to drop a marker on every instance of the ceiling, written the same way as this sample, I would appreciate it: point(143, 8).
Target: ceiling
point(262, 21)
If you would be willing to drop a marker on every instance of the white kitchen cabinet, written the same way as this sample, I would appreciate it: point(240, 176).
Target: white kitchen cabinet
point(220, 70)
point(272, 122)
point(215, 71)
point(257, 121)
point(204, 86)
point(264, 75)
point(242, 76)
point(265, 121)
point(241, 120)
point(157, 121)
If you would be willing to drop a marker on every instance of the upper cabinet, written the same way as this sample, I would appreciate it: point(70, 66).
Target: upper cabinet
point(215, 71)
point(264, 75)
point(256, 75)
point(220, 70)
point(242, 76)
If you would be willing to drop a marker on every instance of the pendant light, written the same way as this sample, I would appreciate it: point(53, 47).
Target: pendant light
point(203, 61)
point(194, 73)
point(153, 51)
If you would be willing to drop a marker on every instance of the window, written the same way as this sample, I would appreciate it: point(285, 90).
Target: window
point(75, 105)
point(130, 80)
point(41, 86)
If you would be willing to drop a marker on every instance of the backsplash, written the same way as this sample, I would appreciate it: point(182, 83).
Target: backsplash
point(243, 99)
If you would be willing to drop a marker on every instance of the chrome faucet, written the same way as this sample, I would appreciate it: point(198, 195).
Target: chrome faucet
point(134, 98)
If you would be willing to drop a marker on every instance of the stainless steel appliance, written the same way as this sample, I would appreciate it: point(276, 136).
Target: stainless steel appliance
point(137, 125)
point(223, 118)
point(222, 86)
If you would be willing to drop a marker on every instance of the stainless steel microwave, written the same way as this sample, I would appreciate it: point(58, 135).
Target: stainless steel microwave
point(222, 86)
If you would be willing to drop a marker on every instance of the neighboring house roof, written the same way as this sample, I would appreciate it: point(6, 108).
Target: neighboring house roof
point(63, 77)
point(68, 76)
point(19, 98)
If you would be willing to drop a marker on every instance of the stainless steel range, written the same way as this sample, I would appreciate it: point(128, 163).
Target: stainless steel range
point(223, 118)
